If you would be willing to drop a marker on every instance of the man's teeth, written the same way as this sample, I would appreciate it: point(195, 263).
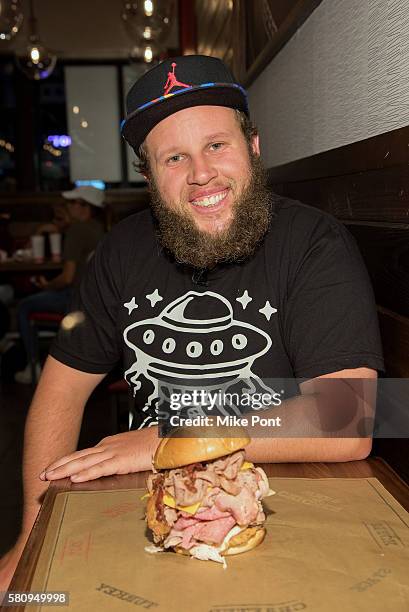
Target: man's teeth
point(211, 200)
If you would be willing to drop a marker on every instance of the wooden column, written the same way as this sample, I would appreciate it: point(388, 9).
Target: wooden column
point(187, 27)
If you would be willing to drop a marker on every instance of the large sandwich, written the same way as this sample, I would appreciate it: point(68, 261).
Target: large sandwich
point(204, 498)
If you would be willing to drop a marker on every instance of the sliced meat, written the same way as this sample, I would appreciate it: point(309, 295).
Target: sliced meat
point(188, 492)
point(250, 478)
point(209, 497)
point(230, 486)
point(183, 523)
point(213, 532)
point(263, 484)
point(244, 506)
point(229, 466)
point(159, 527)
point(210, 514)
point(261, 517)
point(172, 540)
point(187, 539)
point(209, 476)
point(149, 482)
point(171, 515)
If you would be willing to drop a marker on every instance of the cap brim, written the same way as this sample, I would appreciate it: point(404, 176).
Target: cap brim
point(72, 195)
point(69, 195)
point(139, 123)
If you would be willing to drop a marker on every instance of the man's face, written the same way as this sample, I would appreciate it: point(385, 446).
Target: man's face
point(76, 209)
point(200, 165)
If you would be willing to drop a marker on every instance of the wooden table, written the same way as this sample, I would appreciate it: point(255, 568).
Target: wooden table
point(372, 467)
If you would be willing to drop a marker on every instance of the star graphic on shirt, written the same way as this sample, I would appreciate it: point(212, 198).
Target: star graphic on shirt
point(245, 299)
point(267, 310)
point(154, 298)
point(131, 305)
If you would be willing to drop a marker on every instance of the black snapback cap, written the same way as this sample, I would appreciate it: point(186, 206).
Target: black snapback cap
point(175, 84)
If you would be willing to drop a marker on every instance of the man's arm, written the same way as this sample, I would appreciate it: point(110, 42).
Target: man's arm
point(52, 430)
point(324, 405)
point(323, 402)
point(65, 279)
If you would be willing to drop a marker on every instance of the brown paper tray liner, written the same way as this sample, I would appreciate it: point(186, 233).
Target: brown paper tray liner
point(331, 545)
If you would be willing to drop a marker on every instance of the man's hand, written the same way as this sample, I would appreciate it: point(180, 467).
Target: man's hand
point(42, 282)
point(120, 454)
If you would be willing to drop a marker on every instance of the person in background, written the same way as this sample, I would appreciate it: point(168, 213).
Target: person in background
point(81, 238)
point(60, 222)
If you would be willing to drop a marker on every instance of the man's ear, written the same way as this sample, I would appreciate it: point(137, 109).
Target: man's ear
point(255, 145)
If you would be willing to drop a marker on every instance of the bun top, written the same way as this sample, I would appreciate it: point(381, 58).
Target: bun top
point(180, 448)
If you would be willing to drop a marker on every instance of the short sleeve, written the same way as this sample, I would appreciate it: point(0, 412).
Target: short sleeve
point(331, 321)
point(93, 344)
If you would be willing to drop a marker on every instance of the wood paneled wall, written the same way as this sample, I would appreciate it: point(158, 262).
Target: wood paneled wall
point(366, 185)
point(248, 34)
point(215, 28)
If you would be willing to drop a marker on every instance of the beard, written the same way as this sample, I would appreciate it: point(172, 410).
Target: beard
point(251, 214)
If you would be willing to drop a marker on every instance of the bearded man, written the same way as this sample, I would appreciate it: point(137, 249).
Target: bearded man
point(224, 283)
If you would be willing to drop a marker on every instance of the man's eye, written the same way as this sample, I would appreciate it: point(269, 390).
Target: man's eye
point(216, 145)
point(174, 159)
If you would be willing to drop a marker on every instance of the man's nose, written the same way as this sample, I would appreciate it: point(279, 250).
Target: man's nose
point(201, 170)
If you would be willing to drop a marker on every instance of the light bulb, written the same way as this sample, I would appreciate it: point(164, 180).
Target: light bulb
point(37, 62)
point(147, 20)
point(35, 55)
point(148, 7)
point(148, 54)
point(11, 18)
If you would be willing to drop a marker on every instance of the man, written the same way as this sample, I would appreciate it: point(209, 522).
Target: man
point(245, 286)
point(81, 238)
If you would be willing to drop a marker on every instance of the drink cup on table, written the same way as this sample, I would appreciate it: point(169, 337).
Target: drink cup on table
point(37, 246)
point(55, 246)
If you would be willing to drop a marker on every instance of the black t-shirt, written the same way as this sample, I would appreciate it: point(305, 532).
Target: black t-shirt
point(301, 307)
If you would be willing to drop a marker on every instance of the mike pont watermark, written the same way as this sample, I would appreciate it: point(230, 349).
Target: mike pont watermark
point(176, 420)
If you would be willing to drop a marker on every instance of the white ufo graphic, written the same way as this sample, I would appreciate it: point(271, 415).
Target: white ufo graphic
point(175, 345)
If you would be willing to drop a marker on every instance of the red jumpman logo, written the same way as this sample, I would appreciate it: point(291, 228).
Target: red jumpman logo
point(172, 81)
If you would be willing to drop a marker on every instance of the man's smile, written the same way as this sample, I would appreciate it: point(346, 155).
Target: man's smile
point(212, 200)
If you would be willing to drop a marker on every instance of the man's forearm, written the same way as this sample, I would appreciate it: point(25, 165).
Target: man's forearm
point(322, 426)
point(293, 450)
point(57, 283)
point(52, 430)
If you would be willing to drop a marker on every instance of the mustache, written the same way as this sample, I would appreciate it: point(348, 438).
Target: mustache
point(251, 217)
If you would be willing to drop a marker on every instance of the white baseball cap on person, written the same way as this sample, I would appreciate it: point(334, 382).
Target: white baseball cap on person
point(89, 194)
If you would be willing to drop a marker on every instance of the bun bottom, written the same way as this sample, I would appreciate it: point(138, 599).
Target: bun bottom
point(250, 538)
point(254, 540)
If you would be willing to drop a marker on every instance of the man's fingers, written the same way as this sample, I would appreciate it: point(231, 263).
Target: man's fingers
point(103, 468)
point(67, 458)
point(76, 465)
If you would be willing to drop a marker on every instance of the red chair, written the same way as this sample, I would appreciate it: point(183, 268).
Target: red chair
point(40, 321)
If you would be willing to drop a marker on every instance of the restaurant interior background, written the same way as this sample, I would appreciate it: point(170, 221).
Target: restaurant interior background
point(328, 84)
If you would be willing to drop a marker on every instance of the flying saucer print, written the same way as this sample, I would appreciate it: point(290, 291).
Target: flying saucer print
point(184, 346)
